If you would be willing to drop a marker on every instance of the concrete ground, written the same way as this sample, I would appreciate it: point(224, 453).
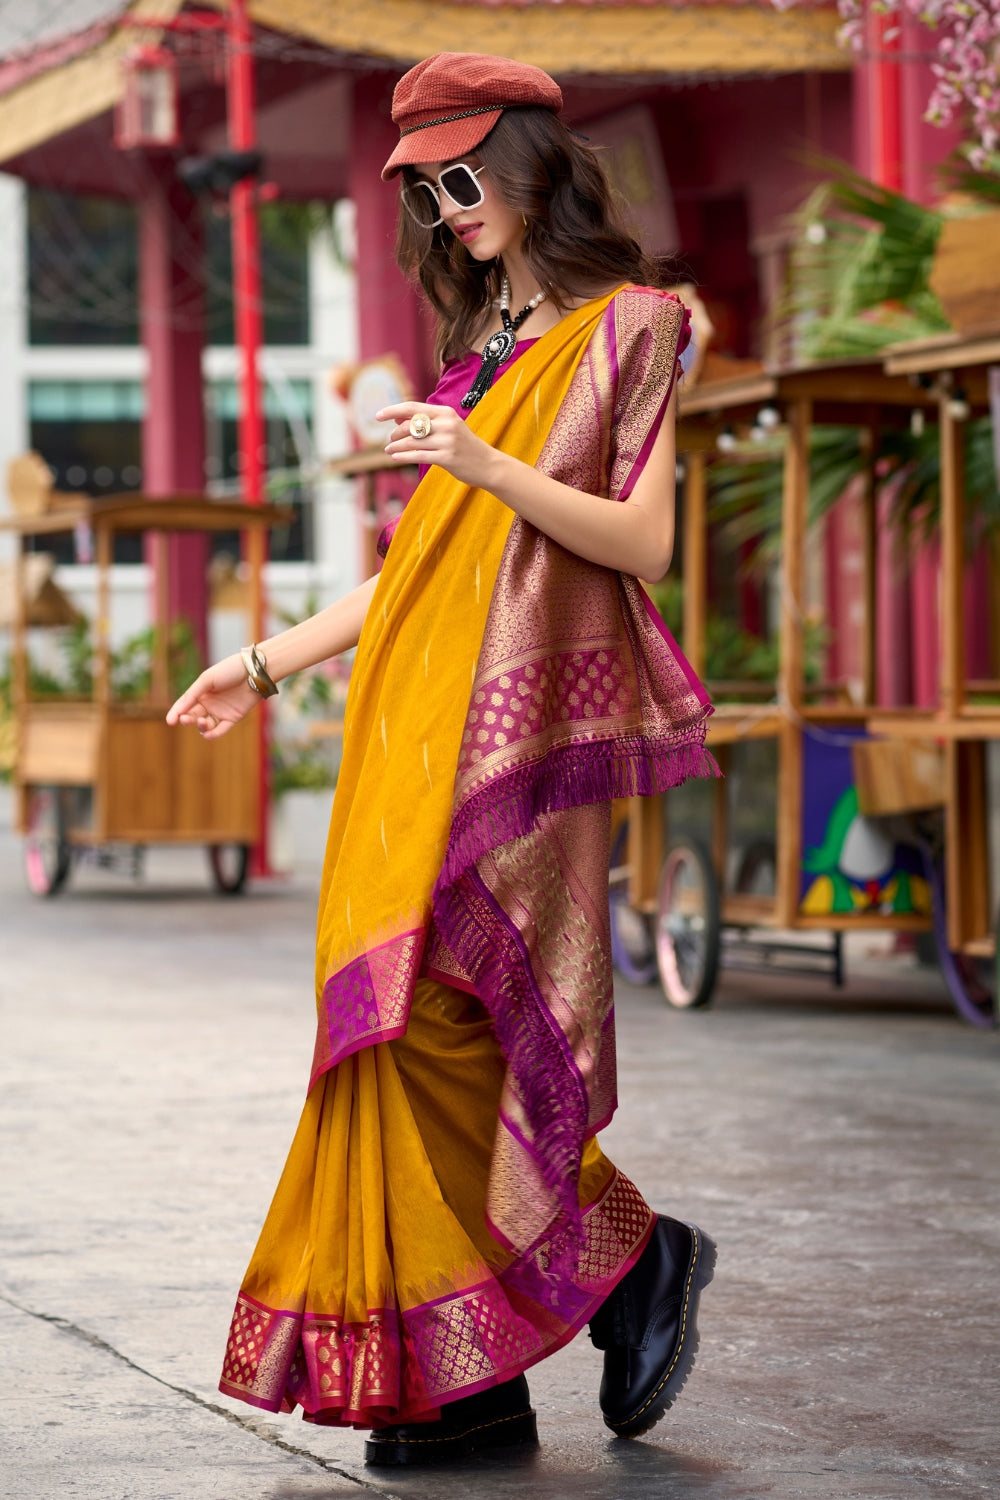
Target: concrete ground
point(842, 1149)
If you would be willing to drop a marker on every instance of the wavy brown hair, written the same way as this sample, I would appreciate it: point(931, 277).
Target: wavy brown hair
point(576, 242)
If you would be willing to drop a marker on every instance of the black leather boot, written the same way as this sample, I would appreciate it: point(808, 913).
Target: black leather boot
point(499, 1417)
point(648, 1327)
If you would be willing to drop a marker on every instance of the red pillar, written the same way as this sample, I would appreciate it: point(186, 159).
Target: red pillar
point(248, 320)
point(171, 287)
point(246, 256)
point(883, 81)
point(925, 146)
point(389, 317)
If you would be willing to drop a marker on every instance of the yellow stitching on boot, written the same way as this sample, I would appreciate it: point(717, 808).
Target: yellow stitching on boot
point(497, 1421)
point(680, 1343)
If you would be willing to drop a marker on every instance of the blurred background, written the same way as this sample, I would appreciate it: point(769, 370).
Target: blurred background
point(199, 299)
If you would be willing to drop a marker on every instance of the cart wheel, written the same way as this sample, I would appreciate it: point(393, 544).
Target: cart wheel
point(974, 984)
point(687, 926)
point(47, 853)
point(229, 864)
point(633, 951)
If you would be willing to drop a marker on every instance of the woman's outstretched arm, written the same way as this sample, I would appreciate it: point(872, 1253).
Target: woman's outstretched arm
point(635, 536)
point(221, 696)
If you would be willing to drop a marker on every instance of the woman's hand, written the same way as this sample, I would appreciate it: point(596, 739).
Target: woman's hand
point(216, 700)
point(449, 442)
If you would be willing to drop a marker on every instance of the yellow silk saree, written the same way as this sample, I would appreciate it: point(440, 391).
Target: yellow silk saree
point(446, 1218)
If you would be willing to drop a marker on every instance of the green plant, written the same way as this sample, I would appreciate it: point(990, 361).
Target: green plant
point(859, 269)
point(131, 664)
point(746, 494)
point(733, 654)
point(299, 766)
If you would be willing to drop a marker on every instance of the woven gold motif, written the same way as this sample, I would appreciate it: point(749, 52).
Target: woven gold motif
point(614, 1227)
point(259, 1352)
point(647, 332)
point(544, 883)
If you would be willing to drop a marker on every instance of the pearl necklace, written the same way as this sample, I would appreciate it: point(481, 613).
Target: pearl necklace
point(500, 345)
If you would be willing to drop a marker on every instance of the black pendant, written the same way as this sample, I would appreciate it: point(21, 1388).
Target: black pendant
point(498, 348)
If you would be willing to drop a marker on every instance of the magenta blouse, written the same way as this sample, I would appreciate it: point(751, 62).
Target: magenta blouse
point(455, 379)
point(457, 376)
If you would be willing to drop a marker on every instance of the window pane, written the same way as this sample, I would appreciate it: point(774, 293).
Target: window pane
point(284, 258)
point(96, 456)
point(83, 262)
point(82, 270)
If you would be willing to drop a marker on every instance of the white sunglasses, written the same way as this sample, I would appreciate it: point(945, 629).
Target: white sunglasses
point(459, 182)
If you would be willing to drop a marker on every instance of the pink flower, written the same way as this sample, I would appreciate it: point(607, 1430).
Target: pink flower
point(967, 66)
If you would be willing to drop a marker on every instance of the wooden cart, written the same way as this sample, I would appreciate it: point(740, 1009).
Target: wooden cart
point(99, 775)
point(792, 847)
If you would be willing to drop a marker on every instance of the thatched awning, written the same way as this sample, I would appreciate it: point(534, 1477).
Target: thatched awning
point(63, 88)
point(647, 40)
point(71, 91)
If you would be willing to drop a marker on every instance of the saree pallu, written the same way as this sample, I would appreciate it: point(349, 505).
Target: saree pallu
point(446, 1217)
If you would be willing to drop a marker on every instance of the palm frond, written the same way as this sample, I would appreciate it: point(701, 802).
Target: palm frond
point(746, 496)
point(859, 269)
point(982, 185)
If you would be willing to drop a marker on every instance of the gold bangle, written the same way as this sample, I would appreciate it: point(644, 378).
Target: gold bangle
point(258, 677)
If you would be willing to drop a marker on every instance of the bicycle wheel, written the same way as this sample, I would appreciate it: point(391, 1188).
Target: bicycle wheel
point(687, 926)
point(972, 983)
point(47, 852)
point(229, 863)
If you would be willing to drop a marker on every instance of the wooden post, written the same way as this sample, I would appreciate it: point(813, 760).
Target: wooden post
point(790, 660)
point(19, 677)
point(645, 850)
point(869, 564)
point(160, 684)
point(102, 623)
point(19, 663)
point(952, 432)
point(695, 560)
point(969, 907)
point(720, 815)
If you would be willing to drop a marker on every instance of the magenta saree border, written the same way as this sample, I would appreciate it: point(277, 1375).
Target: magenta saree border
point(553, 1092)
point(367, 1001)
point(407, 1364)
point(694, 681)
point(568, 776)
point(642, 457)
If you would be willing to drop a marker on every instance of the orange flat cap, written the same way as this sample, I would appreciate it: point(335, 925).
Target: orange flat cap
point(447, 104)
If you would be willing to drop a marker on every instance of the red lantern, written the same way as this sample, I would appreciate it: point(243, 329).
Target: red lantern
point(147, 112)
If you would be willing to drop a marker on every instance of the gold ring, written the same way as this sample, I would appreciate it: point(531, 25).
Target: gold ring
point(420, 425)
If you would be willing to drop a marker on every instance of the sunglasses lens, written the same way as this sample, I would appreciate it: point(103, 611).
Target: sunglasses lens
point(462, 186)
point(422, 202)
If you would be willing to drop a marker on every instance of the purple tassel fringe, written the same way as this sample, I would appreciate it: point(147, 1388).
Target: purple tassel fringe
point(570, 776)
point(491, 950)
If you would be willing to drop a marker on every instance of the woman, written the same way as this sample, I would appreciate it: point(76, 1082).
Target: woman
point(446, 1217)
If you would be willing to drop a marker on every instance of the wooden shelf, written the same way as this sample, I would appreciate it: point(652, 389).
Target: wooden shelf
point(136, 513)
point(741, 721)
point(967, 726)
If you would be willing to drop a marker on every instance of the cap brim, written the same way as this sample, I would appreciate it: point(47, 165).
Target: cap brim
point(440, 142)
